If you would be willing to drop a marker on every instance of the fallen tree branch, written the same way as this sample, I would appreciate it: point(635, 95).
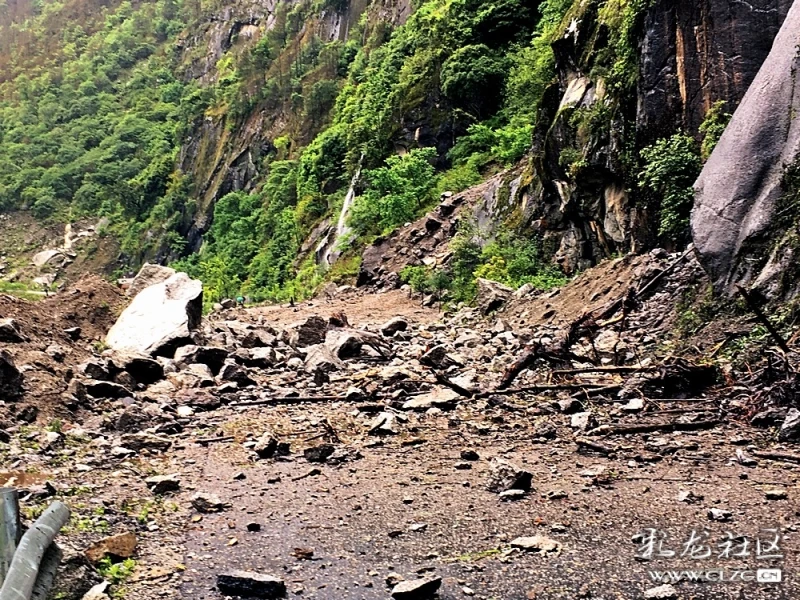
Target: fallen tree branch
point(762, 318)
point(458, 389)
point(590, 445)
point(621, 369)
point(207, 441)
point(652, 427)
point(779, 456)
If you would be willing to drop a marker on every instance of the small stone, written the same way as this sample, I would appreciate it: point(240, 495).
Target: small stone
point(248, 584)
point(776, 494)
point(537, 543)
point(392, 579)
point(505, 475)
point(419, 589)
point(463, 466)
point(319, 454)
point(662, 592)
point(208, 503)
point(415, 527)
point(117, 546)
point(253, 527)
point(469, 455)
point(583, 421)
point(266, 445)
point(718, 514)
point(689, 497)
point(162, 484)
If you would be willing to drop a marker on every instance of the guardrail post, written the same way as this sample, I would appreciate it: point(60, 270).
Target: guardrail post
point(10, 528)
point(24, 570)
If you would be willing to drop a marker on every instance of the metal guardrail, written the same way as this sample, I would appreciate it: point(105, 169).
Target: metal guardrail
point(28, 563)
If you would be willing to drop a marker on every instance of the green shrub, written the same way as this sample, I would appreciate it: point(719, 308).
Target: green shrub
point(713, 126)
point(671, 168)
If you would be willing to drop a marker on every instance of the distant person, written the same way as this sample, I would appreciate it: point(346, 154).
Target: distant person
point(240, 301)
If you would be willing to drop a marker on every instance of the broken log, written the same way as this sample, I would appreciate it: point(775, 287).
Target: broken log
point(762, 318)
point(652, 427)
point(779, 456)
point(596, 447)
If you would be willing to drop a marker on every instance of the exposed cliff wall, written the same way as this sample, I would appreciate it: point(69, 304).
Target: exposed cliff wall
point(743, 221)
point(585, 198)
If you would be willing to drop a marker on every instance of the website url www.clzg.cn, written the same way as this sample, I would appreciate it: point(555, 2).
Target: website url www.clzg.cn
point(719, 575)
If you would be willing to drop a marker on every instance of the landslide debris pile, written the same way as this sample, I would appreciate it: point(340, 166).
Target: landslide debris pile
point(593, 369)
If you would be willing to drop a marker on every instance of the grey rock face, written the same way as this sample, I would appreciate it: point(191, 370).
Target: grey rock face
point(149, 275)
point(734, 223)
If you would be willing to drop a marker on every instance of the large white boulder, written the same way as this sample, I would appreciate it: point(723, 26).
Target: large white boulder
point(160, 318)
point(149, 275)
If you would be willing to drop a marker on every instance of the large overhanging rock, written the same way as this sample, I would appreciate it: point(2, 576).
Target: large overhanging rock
point(736, 221)
point(160, 318)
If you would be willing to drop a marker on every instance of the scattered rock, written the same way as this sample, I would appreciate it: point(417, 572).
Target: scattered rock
point(343, 343)
point(146, 441)
point(442, 398)
point(230, 371)
point(492, 295)
point(505, 475)
point(106, 389)
point(583, 421)
point(718, 514)
point(319, 454)
point(419, 589)
point(776, 494)
point(208, 503)
point(662, 592)
point(10, 377)
point(163, 484)
point(248, 584)
point(790, 430)
point(266, 446)
point(9, 332)
point(537, 543)
point(213, 358)
point(73, 333)
point(470, 455)
point(320, 358)
point(310, 332)
point(160, 318)
point(512, 495)
point(393, 326)
point(116, 546)
point(383, 424)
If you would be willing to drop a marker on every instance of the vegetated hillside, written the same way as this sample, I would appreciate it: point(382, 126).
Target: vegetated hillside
point(226, 136)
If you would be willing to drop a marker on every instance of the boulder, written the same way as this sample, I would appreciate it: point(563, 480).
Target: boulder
point(492, 295)
point(736, 219)
point(149, 275)
point(55, 258)
point(212, 357)
point(10, 377)
point(160, 318)
point(343, 343)
point(310, 332)
point(230, 371)
point(143, 369)
point(106, 389)
point(9, 332)
point(442, 398)
point(321, 358)
point(394, 325)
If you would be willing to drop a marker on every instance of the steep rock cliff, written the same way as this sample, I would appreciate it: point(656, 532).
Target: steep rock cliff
point(691, 55)
point(744, 222)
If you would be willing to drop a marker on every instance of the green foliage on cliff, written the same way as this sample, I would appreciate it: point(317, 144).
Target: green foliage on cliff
point(671, 168)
